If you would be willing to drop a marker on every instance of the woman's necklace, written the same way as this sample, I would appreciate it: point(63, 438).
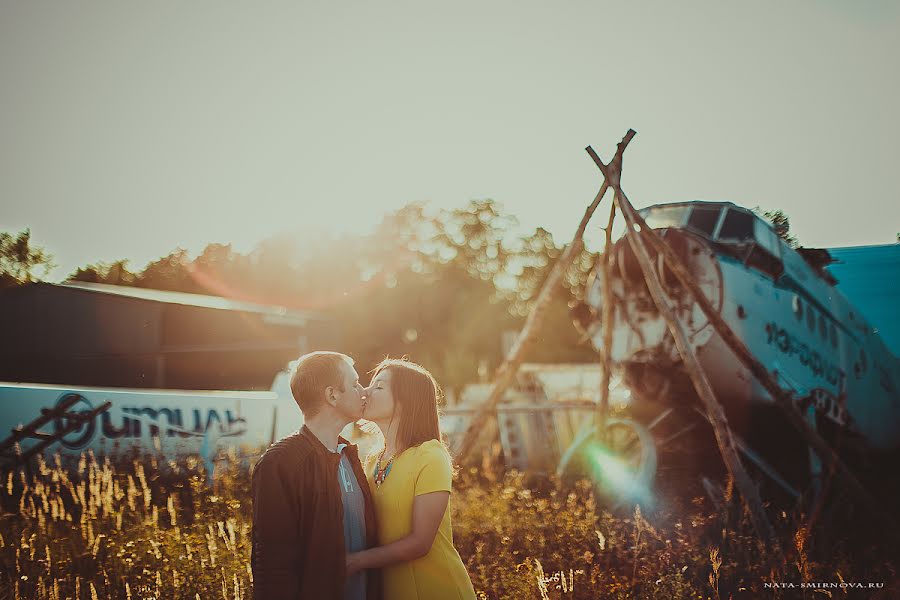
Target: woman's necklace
point(381, 474)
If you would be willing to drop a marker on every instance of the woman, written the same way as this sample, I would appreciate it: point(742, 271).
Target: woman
point(411, 482)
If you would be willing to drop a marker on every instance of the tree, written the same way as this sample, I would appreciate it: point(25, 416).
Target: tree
point(780, 223)
point(559, 341)
point(474, 237)
point(171, 272)
point(428, 291)
point(441, 287)
point(19, 259)
point(114, 273)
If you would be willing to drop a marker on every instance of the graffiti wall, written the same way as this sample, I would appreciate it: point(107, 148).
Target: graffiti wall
point(170, 423)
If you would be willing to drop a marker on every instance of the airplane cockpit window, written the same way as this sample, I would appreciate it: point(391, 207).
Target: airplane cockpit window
point(665, 216)
point(766, 237)
point(737, 226)
point(754, 241)
point(704, 219)
point(757, 243)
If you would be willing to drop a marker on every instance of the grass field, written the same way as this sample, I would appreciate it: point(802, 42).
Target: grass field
point(136, 530)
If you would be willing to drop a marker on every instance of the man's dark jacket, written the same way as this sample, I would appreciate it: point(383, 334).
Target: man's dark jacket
point(298, 522)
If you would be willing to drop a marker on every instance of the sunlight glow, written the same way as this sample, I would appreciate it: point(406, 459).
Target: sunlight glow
point(614, 477)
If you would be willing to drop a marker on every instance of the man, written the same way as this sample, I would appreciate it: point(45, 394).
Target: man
point(311, 501)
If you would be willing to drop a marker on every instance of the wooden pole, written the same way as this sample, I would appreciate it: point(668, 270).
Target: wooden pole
point(714, 411)
point(607, 312)
point(533, 322)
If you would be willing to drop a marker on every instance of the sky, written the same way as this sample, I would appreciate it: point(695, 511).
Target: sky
point(130, 129)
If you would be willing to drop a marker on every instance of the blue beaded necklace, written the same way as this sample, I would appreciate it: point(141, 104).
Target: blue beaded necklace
point(381, 474)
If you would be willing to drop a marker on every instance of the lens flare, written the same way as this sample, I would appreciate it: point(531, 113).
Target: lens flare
point(613, 475)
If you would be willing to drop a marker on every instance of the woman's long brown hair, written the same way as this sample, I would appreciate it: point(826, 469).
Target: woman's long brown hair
point(416, 396)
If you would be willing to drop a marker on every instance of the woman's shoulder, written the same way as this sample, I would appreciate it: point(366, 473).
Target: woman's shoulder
point(432, 446)
point(433, 468)
point(432, 450)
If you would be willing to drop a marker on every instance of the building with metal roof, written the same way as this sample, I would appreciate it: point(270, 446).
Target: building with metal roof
point(104, 335)
point(869, 276)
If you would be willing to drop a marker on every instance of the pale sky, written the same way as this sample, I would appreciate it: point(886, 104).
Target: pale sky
point(128, 129)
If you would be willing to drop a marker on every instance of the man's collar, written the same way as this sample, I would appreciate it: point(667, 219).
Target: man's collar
point(318, 445)
point(347, 445)
point(314, 440)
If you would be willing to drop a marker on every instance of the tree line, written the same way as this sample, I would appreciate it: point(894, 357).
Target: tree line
point(442, 287)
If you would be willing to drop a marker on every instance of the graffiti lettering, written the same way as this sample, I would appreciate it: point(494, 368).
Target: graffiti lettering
point(127, 429)
point(173, 417)
point(156, 422)
point(811, 359)
point(828, 405)
point(82, 436)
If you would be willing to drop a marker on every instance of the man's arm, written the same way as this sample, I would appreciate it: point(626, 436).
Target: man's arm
point(275, 556)
point(428, 511)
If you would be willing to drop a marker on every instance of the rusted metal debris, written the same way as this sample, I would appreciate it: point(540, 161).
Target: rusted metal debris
point(782, 398)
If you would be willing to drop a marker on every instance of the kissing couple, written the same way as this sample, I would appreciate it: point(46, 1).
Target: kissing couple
point(328, 526)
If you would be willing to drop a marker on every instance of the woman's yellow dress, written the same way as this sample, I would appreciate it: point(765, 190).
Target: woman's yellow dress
point(440, 574)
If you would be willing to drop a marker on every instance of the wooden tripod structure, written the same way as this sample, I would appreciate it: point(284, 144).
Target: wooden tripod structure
point(639, 236)
point(714, 412)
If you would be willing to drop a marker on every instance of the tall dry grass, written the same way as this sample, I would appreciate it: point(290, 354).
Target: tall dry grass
point(136, 530)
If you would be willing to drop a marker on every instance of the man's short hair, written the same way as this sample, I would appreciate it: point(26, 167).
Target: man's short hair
point(313, 374)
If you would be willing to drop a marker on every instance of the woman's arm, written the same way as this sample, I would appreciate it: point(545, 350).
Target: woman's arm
point(428, 511)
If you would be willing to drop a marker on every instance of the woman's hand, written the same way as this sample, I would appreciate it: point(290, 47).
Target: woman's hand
point(428, 510)
point(353, 563)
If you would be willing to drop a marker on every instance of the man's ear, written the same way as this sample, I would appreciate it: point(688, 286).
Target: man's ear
point(329, 396)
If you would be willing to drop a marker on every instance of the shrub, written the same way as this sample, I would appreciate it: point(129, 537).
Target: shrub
point(145, 530)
